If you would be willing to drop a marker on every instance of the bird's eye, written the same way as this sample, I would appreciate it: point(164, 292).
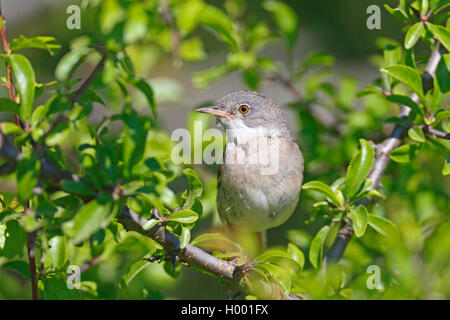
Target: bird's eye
point(243, 108)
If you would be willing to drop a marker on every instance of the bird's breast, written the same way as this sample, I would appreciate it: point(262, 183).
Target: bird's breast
point(260, 181)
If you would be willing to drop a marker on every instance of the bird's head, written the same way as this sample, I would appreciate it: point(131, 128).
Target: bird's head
point(247, 109)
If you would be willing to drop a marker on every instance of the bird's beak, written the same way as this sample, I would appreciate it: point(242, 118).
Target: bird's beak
point(215, 111)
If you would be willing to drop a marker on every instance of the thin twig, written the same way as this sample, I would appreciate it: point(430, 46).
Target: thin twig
point(435, 133)
point(31, 252)
point(87, 82)
point(9, 82)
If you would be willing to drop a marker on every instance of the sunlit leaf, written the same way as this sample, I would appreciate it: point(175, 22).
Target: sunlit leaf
point(296, 254)
point(195, 187)
point(185, 237)
point(413, 35)
point(359, 217)
point(405, 153)
point(184, 216)
point(416, 134)
point(323, 189)
point(382, 225)
point(58, 251)
point(441, 33)
point(316, 249)
point(358, 169)
point(25, 81)
point(286, 19)
point(406, 75)
point(89, 219)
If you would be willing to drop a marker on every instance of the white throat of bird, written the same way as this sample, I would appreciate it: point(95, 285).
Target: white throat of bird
point(252, 146)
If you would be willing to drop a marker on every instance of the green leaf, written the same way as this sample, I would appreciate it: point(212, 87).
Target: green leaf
point(382, 225)
point(442, 115)
point(367, 91)
point(320, 59)
point(195, 187)
point(358, 169)
point(286, 19)
point(413, 35)
point(204, 78)
point(184, 216)
point(398, 13)
point(316, 249)
point(185, 237)
point(188, 15)
point(11, 128)
point(21, 267)
point(446, 167)
point(406, 75)
point(323, 189)
point(93, 216)
point(406, 101)
point(192, 49)
point(268, 255)
point(443, 73)
point(7, 105)
point(145, 88)
point(70, 62)
point(58, 251)
point(14, 241)
point(359, 217)
point(45, 43)
point(251, 78)
point(416, 134)
point(441, 33)
point(137, 23)
point(135, 137)
point(296, 254)
point(77, 187)
point(24, 81)
point(111, 14)
point(134, 270)
point(279, 275)
point(28, 170)
point(217, 20)
point(216, 242)
point(150, 224)
point(405, 153)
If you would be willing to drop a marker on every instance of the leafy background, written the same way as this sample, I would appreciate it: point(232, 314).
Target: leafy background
point(332, 55)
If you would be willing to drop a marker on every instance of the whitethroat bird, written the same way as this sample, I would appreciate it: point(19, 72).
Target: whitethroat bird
point(260, 179)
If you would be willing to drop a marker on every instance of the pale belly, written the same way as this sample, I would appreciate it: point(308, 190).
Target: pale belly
point(256, 197)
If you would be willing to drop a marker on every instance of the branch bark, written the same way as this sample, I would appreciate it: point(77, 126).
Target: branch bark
point(382, 158)
point(6, 50)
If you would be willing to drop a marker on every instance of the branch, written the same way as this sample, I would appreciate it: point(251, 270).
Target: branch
point(382, 159)
point(190, 254)
point(29, 235)
point(435, 133)
point(131, 221)
point(6, 50)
